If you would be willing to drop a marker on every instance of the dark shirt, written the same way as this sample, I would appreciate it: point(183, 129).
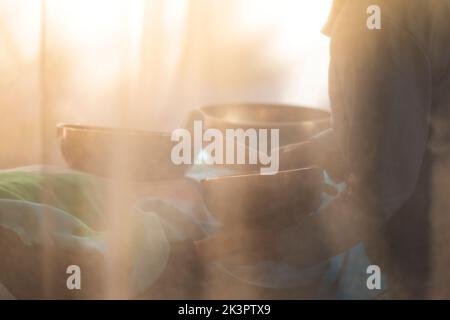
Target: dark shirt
point(390, 136)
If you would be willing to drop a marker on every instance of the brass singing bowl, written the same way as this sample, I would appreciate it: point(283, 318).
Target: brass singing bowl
point(253, 199)
point(119, 153)
point(296, 123)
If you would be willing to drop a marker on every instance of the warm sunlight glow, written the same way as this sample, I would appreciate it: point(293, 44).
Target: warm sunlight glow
point(292, 27)
point(146, 63)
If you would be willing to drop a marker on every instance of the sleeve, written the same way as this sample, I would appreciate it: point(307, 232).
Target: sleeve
point(328, 154)
point(380, 91)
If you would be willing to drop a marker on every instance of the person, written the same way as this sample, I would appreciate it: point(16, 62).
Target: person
point(389, 141)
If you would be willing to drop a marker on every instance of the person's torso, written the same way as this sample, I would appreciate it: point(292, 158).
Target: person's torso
point(418, 235)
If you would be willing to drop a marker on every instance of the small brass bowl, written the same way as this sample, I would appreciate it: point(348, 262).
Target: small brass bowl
point(119, 153)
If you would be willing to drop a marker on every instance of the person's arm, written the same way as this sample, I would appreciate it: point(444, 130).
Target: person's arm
point(380, 90)
point(322, 150)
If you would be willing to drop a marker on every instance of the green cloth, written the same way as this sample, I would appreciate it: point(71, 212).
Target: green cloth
point(63, 212)
point(81, 195)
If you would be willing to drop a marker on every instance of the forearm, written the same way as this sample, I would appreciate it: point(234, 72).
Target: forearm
point(323, 150)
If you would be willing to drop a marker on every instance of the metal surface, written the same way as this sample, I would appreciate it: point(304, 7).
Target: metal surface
point(255, 199)
point(119, 153)
point(296, 123)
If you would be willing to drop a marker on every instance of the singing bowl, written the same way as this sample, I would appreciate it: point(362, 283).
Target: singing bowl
point(254, 199)
point(296, 123)
point(119, 153)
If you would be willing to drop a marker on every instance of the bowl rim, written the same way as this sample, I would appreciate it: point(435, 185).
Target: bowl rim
point(108, 130)
point(258, 124)
point(258, 174)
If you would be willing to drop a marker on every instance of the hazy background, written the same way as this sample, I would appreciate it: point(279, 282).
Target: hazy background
point(145, 63)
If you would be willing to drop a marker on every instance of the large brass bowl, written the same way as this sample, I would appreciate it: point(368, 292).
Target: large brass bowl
point(296, 123)
point(252, 199)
